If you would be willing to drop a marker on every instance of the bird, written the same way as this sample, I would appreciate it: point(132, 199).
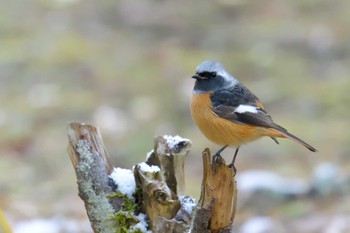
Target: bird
point(228, 113)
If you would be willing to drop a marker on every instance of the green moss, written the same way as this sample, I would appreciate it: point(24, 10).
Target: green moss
point(137, 231)
point(128, 204)
point(124, 219)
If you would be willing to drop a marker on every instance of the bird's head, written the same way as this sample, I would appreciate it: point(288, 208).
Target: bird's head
point(211, 76)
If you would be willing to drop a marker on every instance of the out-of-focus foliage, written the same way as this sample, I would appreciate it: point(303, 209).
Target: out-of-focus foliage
point(125, 66)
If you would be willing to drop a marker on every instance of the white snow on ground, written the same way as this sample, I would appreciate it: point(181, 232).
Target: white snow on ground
point(52, 225)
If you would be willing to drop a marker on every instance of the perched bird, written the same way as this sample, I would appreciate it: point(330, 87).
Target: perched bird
point(227, 113)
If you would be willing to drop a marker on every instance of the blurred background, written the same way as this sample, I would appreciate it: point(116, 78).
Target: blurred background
point(124, 66)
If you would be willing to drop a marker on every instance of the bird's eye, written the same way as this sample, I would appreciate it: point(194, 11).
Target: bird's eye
point(207, 74)
point(212, 74)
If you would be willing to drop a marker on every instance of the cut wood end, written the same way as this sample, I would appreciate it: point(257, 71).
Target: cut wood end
point(85, 138)
point(78, 130)
point(214, 162)
point(170, 154)
point(176, 145)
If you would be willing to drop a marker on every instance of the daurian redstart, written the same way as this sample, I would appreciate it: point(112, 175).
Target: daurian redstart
point(227, 113)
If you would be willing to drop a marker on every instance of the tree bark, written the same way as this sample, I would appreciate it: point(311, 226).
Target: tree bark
point(92, 168)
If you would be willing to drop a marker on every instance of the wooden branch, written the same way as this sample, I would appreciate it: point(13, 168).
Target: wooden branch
point(92, 168)
point(218, 195)
point(160, 179)
point(158, 199)
point(171, 153)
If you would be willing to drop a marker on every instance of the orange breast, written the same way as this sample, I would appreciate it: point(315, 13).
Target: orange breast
point(219, 130)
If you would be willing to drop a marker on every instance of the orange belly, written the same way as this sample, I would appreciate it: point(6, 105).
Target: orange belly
point(220, 130)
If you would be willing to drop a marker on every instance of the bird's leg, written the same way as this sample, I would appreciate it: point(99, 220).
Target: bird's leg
point(217, 157)
point(232, 164)
point(219, 151)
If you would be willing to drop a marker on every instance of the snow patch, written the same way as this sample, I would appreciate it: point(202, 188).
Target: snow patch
point(149, 154)
point(187, 203)
point(51, 225)
point(257, 224)
point(173, 141)
point(253, 180)
point(144, 167)
point(124, 179)
point(142, 224)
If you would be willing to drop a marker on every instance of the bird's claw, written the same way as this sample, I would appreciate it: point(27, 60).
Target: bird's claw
point(233, 167)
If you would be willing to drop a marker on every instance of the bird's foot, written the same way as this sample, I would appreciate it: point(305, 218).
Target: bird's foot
point(215, 160)
point(233, 167)
point(217, 156)
point(232, 164)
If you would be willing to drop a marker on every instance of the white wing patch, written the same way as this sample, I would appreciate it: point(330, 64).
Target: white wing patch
point(246, 108)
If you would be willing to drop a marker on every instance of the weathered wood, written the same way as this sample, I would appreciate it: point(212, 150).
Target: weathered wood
point(171, 153)
point(92, 167)
point(160, 185)
point(219, 193)
point(169, 225)
point(157, 198)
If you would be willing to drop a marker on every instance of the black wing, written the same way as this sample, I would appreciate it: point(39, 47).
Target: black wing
point(234, 97)
point(225, 102)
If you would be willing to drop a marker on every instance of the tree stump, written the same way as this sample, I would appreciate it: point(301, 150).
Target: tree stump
point(218, 193)
point(150, 197)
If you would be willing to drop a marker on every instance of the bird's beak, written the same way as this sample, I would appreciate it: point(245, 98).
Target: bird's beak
point(198, 77)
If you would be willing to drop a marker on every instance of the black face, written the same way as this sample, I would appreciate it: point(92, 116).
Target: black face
point(207, 81)
point(204, 75)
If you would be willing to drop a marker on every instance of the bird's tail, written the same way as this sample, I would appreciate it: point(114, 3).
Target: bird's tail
point(286, 134)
